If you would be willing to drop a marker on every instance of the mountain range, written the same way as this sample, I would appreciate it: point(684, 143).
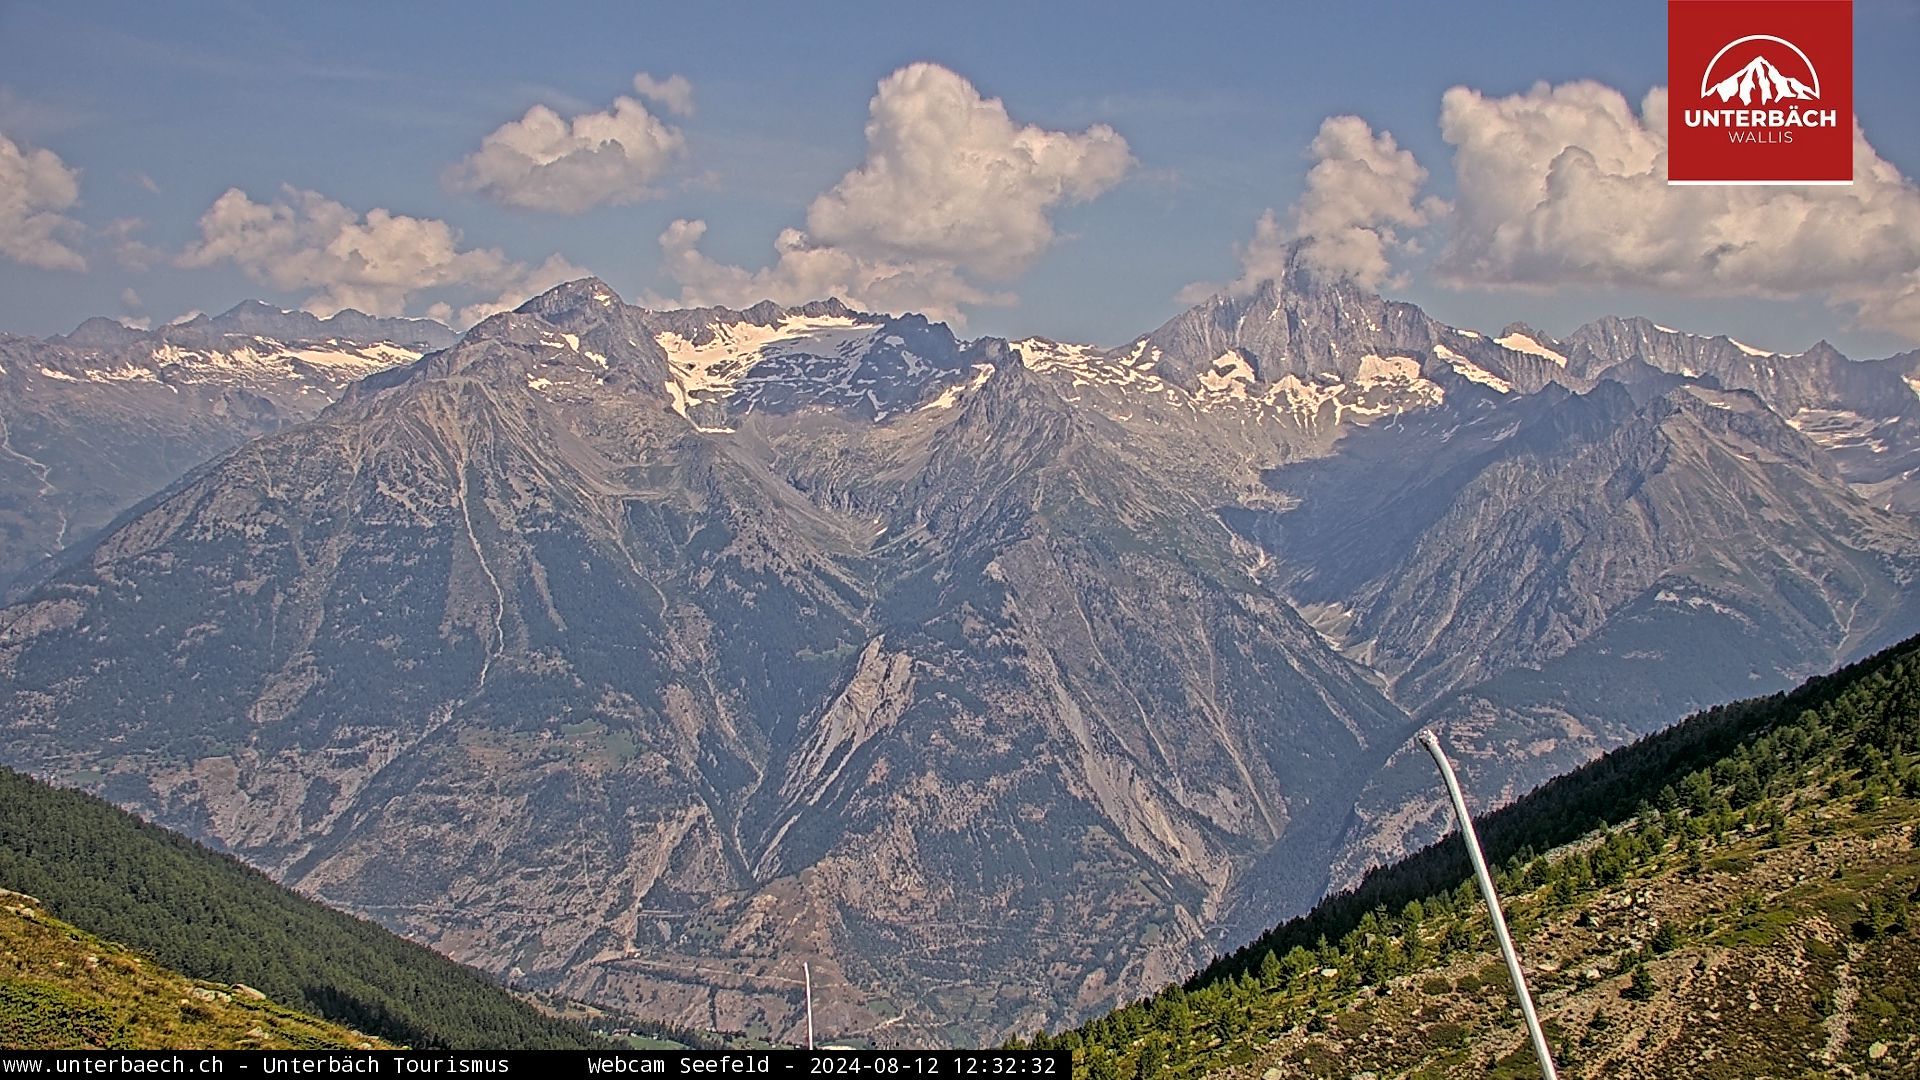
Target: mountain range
point(95, 421)
point(639, 656)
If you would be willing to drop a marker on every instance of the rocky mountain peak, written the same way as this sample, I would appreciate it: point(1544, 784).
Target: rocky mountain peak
point(102, 333)
point(1520, 329)
point(1301, 324)
point(1823, 352)
point(587, 294)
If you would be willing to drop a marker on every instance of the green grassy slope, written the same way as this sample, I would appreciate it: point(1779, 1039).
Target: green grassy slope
point(209, 917)
point(1731, 898)
point(62, 988)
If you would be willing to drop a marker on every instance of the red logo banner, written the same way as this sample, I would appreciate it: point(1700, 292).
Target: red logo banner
point(1760, 91)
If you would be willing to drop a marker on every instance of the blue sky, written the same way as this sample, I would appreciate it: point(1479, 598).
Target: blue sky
point(155, 111)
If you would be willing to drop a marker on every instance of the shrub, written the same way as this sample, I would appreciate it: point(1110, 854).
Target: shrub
point(1640, 986)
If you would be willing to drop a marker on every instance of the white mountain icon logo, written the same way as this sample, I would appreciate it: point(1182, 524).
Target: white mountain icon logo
point(1760, 81)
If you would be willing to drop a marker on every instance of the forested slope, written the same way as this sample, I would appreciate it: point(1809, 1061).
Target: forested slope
point(209, 917)
point(1732, 897)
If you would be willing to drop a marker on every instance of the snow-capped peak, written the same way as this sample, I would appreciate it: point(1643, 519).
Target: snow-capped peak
point(823, 354)
point(1471, 371)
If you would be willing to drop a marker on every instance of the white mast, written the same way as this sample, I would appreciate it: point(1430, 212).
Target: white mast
point(1432, 742)
point(807, 972)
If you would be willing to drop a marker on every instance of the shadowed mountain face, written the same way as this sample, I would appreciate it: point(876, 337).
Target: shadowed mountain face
point(1865, 415)
point(95, 421)
point(644, 655)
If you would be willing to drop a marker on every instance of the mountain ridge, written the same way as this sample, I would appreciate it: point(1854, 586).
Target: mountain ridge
point(95, 421)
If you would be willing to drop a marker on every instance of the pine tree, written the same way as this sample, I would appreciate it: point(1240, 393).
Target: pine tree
point(1640, 985)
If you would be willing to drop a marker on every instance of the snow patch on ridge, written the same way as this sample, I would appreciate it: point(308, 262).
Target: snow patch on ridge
point(1380, 386)
point(1089, 365)
point(1840, 429)
point(1519, 342)
point(716, 367)
point(1383, 385)
point(1471, 371)
point(1230, 375)
point(258, 361)
point(951, 395)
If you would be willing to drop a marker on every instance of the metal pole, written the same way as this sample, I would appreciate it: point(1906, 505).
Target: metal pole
point(807, 971)
point(1432, 742)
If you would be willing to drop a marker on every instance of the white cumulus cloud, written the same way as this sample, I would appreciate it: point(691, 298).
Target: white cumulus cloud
point(1566, 185)
point(673, 93)
point(953, 192)
point(1362, 190)
point(808, 271)
point(36, 188)
point(544, 161)
point(304, 241)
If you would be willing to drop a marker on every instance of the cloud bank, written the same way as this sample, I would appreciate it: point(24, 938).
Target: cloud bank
point(953, 196)
point(36, 190)
point(1362, 190)
point(304, 241)
point(1566, 185)
point(544, 161)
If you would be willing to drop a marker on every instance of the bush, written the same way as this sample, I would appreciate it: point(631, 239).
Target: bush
point(1640, 986)
point(1665, 938)
point(1448, 1034)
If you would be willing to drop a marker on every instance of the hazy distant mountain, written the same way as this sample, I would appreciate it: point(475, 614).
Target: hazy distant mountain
point(643, 655)
point(1865, 414)
point(95, 421)
point(257, 319)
